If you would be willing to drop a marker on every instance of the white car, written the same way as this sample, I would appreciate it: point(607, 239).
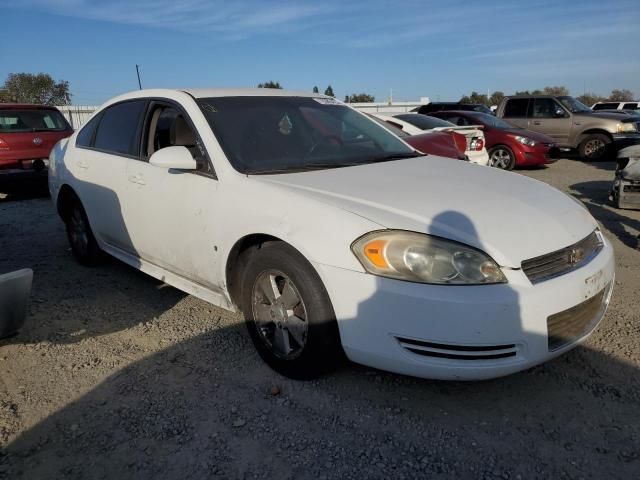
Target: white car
point(416, 123)
point(331, 234)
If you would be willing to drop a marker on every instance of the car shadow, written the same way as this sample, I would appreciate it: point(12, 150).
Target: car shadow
point(207, 406)
point(595, 196)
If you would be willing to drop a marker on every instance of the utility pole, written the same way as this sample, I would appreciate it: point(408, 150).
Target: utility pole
point(138, 72)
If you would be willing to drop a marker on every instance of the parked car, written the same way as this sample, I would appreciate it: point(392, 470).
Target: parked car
point(27, 135)
point(508, 146)
point(431, 107)
point(571, 124)
point(443, 144)
point(328, 243)
point(615, 106)
point(415, 123)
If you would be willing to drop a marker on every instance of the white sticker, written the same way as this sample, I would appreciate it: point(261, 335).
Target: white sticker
point(327, 101)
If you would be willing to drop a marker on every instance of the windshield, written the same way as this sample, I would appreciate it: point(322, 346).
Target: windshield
point(490, 121)
point(271, 134)
point(573, 105)
point(424, 122)
point(28, 120)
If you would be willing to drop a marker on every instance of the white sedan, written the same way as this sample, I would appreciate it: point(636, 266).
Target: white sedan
point(331, 234)
point(416, 123)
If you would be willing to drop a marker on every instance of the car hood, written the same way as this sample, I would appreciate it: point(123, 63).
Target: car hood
point(609, 115)
point(507, 215)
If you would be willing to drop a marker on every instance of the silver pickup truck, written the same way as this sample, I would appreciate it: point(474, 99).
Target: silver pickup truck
point(571, 124)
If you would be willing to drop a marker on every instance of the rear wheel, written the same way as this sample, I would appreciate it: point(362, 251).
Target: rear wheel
point(84, 247)
point(502, 157)
point(594, 147)
point(288, 313)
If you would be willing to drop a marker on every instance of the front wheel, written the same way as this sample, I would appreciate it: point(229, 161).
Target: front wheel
point(594, 147)
point(502, 157)
point(288, 313)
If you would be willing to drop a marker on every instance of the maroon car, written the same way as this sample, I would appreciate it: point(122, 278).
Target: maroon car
point(27, 135)
point(508, 146)
point(442, 144)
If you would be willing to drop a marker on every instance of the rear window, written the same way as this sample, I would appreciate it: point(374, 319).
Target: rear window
point(119, 128)
point(606, 106)
point(32, 120)
point(424, 122)
point(516, 107)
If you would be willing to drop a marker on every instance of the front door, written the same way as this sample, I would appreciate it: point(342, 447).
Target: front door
point(172, 212)
point(550, 118)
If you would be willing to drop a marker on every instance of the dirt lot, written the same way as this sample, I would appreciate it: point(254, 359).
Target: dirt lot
point(119, 376)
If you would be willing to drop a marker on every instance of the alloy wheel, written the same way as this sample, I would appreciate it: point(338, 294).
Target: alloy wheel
point(594, 148)
point(78, 232)
point(280, 314)
point(500, 158)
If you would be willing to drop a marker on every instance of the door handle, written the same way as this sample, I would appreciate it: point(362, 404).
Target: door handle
point(537, 122)
point(82, 164)
point(137, 179)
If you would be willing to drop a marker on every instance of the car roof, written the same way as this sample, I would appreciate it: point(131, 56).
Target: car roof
point(216, 92)
point(25, 106)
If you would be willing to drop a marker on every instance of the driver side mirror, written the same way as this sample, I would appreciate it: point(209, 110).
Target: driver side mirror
point(559, 113)
point(178, 158)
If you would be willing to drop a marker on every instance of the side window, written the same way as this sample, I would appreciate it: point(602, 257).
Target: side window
point(516, 108)
point(544, 108)
point(606, 106)
point(630, 106)
point(86, 133)
point(119, 130)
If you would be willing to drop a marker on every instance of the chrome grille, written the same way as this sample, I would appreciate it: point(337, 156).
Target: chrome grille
point(569, 325)
point(563, 261)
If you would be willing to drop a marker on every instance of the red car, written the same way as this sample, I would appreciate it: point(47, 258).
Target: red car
point(508, 146)
point(27, 135)
point(443, 144)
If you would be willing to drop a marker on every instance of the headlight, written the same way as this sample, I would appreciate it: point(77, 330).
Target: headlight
point(627, 128)
point(417, 257)
point(525, 141)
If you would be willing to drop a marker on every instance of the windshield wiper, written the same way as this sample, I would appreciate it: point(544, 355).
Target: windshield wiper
point(397, 156)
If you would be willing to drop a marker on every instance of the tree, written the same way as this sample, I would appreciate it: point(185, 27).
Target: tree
point(590, 98)
point(269, 84)
point(475, 97)
point(495, 98)
point(555, 91)
point(315, 90)
point(39, 88)
point(361, 98)
point(623, 95)
point(329, 91)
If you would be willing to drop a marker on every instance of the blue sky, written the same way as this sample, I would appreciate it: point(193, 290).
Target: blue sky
point(441, 49)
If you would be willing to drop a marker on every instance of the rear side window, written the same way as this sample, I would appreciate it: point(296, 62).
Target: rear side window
point(119, 128)
point(606, 106)
point(516, 107)
point(630, 106)
point(85, 135)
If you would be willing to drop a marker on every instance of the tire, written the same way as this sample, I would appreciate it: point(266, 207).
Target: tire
point(288, 313)
point(83, 243)
point(502, 157)
point(594, 147)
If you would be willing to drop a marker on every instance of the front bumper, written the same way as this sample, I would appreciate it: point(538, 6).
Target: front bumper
point(622, 140)
point(381, 320)
point(536, 155)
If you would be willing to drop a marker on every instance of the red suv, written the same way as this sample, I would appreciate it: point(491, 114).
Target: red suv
point(27, 135)
point(508, 146)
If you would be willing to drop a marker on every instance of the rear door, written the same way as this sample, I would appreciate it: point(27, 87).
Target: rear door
point(99, 164)
point(515, 112)
point(550, 118)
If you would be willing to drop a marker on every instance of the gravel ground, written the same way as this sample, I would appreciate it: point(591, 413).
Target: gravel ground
point(117, 375)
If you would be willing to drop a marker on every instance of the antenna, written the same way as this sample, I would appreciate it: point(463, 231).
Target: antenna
point(138, 72)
